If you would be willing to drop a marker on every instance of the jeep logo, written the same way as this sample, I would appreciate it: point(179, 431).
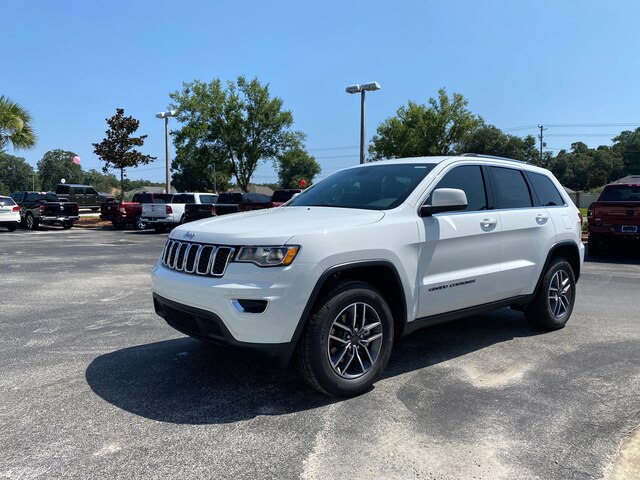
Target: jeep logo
point(189, 235)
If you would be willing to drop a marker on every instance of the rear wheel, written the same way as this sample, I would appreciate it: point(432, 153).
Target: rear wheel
point(347, 341)
point(139, 223)
point(30, 222)
point(554, 301)
point(67, 225)
point(594, 245)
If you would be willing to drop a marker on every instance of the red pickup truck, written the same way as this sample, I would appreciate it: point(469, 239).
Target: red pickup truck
point(614, 217)
point(121, 214)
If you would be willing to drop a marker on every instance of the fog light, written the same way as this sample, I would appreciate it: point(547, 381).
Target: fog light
point(250, 306)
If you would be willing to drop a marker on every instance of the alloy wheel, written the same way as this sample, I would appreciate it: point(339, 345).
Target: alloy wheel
point(560, 294)
point(355, 340)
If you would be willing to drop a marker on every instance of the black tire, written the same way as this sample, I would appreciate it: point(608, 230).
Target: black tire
point(118, 225)
point(159, 228)
point(555, 299)
point(139, 223)
point(320, 357)
point(30, 222)
point(67, 225)
point(594, 245)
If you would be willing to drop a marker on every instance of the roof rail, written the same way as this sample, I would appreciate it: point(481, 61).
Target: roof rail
point(495, 157)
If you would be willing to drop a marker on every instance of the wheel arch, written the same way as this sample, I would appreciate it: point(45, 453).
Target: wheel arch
point(567, 250)
point(380, 274)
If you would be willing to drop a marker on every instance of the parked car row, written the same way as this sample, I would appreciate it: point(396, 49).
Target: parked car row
point(158, 210)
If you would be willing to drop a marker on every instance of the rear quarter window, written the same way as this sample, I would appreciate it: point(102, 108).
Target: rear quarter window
point(545, 189)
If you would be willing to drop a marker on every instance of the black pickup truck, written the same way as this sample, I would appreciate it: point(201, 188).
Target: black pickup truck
point(44, 208)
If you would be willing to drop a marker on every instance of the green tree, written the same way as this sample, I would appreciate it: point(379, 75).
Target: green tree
point(584, 168)
point(627, 144)
point(296, 165)
point(56, 165)
point(101, 181)
point(234, 128)
point(16, 174)
point(490, 140)
point(417, 129)
point(117, 150)
point(15, 125)
point(196, 170)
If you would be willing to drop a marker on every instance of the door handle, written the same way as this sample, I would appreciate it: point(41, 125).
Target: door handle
point(488, 222)
point(540, 218)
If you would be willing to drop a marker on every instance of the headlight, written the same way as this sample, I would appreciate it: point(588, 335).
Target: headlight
point(268, 256)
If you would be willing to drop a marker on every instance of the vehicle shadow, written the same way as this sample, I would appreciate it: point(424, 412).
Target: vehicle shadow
point(188, 382)
point(623, 254)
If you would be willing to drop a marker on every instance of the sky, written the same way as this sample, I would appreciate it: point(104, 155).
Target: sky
point(571, 65)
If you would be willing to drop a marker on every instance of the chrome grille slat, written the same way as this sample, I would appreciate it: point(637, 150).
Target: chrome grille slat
point(197, 258)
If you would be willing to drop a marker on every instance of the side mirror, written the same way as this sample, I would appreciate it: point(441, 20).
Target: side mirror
point(445, 200)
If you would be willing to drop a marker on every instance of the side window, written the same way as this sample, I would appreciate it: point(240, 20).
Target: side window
point(62, 189)
point(76, 190)
point(32, 197)
point(91, 191)
point(18, 197)
point(545, 190)
point(468, 178)
point(511, 190)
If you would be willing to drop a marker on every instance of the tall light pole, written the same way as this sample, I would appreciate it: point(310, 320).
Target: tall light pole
point(166, 115)
point(371, 87)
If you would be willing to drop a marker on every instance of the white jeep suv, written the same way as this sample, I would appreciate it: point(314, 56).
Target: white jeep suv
point(372, 253)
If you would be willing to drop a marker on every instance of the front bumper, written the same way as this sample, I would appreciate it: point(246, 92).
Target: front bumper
point(208, 327)
point(285, 291)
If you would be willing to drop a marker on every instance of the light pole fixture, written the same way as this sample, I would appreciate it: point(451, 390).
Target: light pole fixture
point(371, 87)
point(166, 115)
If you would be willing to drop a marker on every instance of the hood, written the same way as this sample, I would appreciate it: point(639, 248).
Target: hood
point(273, 226)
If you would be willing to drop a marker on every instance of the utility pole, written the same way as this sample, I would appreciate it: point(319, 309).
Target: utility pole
point(542, 129)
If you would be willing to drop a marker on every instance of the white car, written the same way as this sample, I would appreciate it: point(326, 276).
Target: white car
point(372, 253)
point(9, 213)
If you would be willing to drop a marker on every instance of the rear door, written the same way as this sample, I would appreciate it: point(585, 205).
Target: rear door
point(459, 262)
point(527, 232)
point(77, 194)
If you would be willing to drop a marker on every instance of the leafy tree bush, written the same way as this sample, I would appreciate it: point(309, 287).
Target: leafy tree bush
point(233, 128)
point(117, 149)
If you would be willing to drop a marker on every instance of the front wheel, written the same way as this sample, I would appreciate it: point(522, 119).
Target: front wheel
point(554, 301)
point(347, 341)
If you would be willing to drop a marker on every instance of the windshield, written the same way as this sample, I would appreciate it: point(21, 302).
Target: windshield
point(374, 187)
point(621, 193)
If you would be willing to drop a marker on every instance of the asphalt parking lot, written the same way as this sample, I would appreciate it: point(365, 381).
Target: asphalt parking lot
point(95, 385)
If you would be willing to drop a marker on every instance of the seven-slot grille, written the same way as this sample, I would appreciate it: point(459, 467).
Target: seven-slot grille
point(196, 258)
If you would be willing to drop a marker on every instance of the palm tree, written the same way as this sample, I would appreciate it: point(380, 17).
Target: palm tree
point(15, 125)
